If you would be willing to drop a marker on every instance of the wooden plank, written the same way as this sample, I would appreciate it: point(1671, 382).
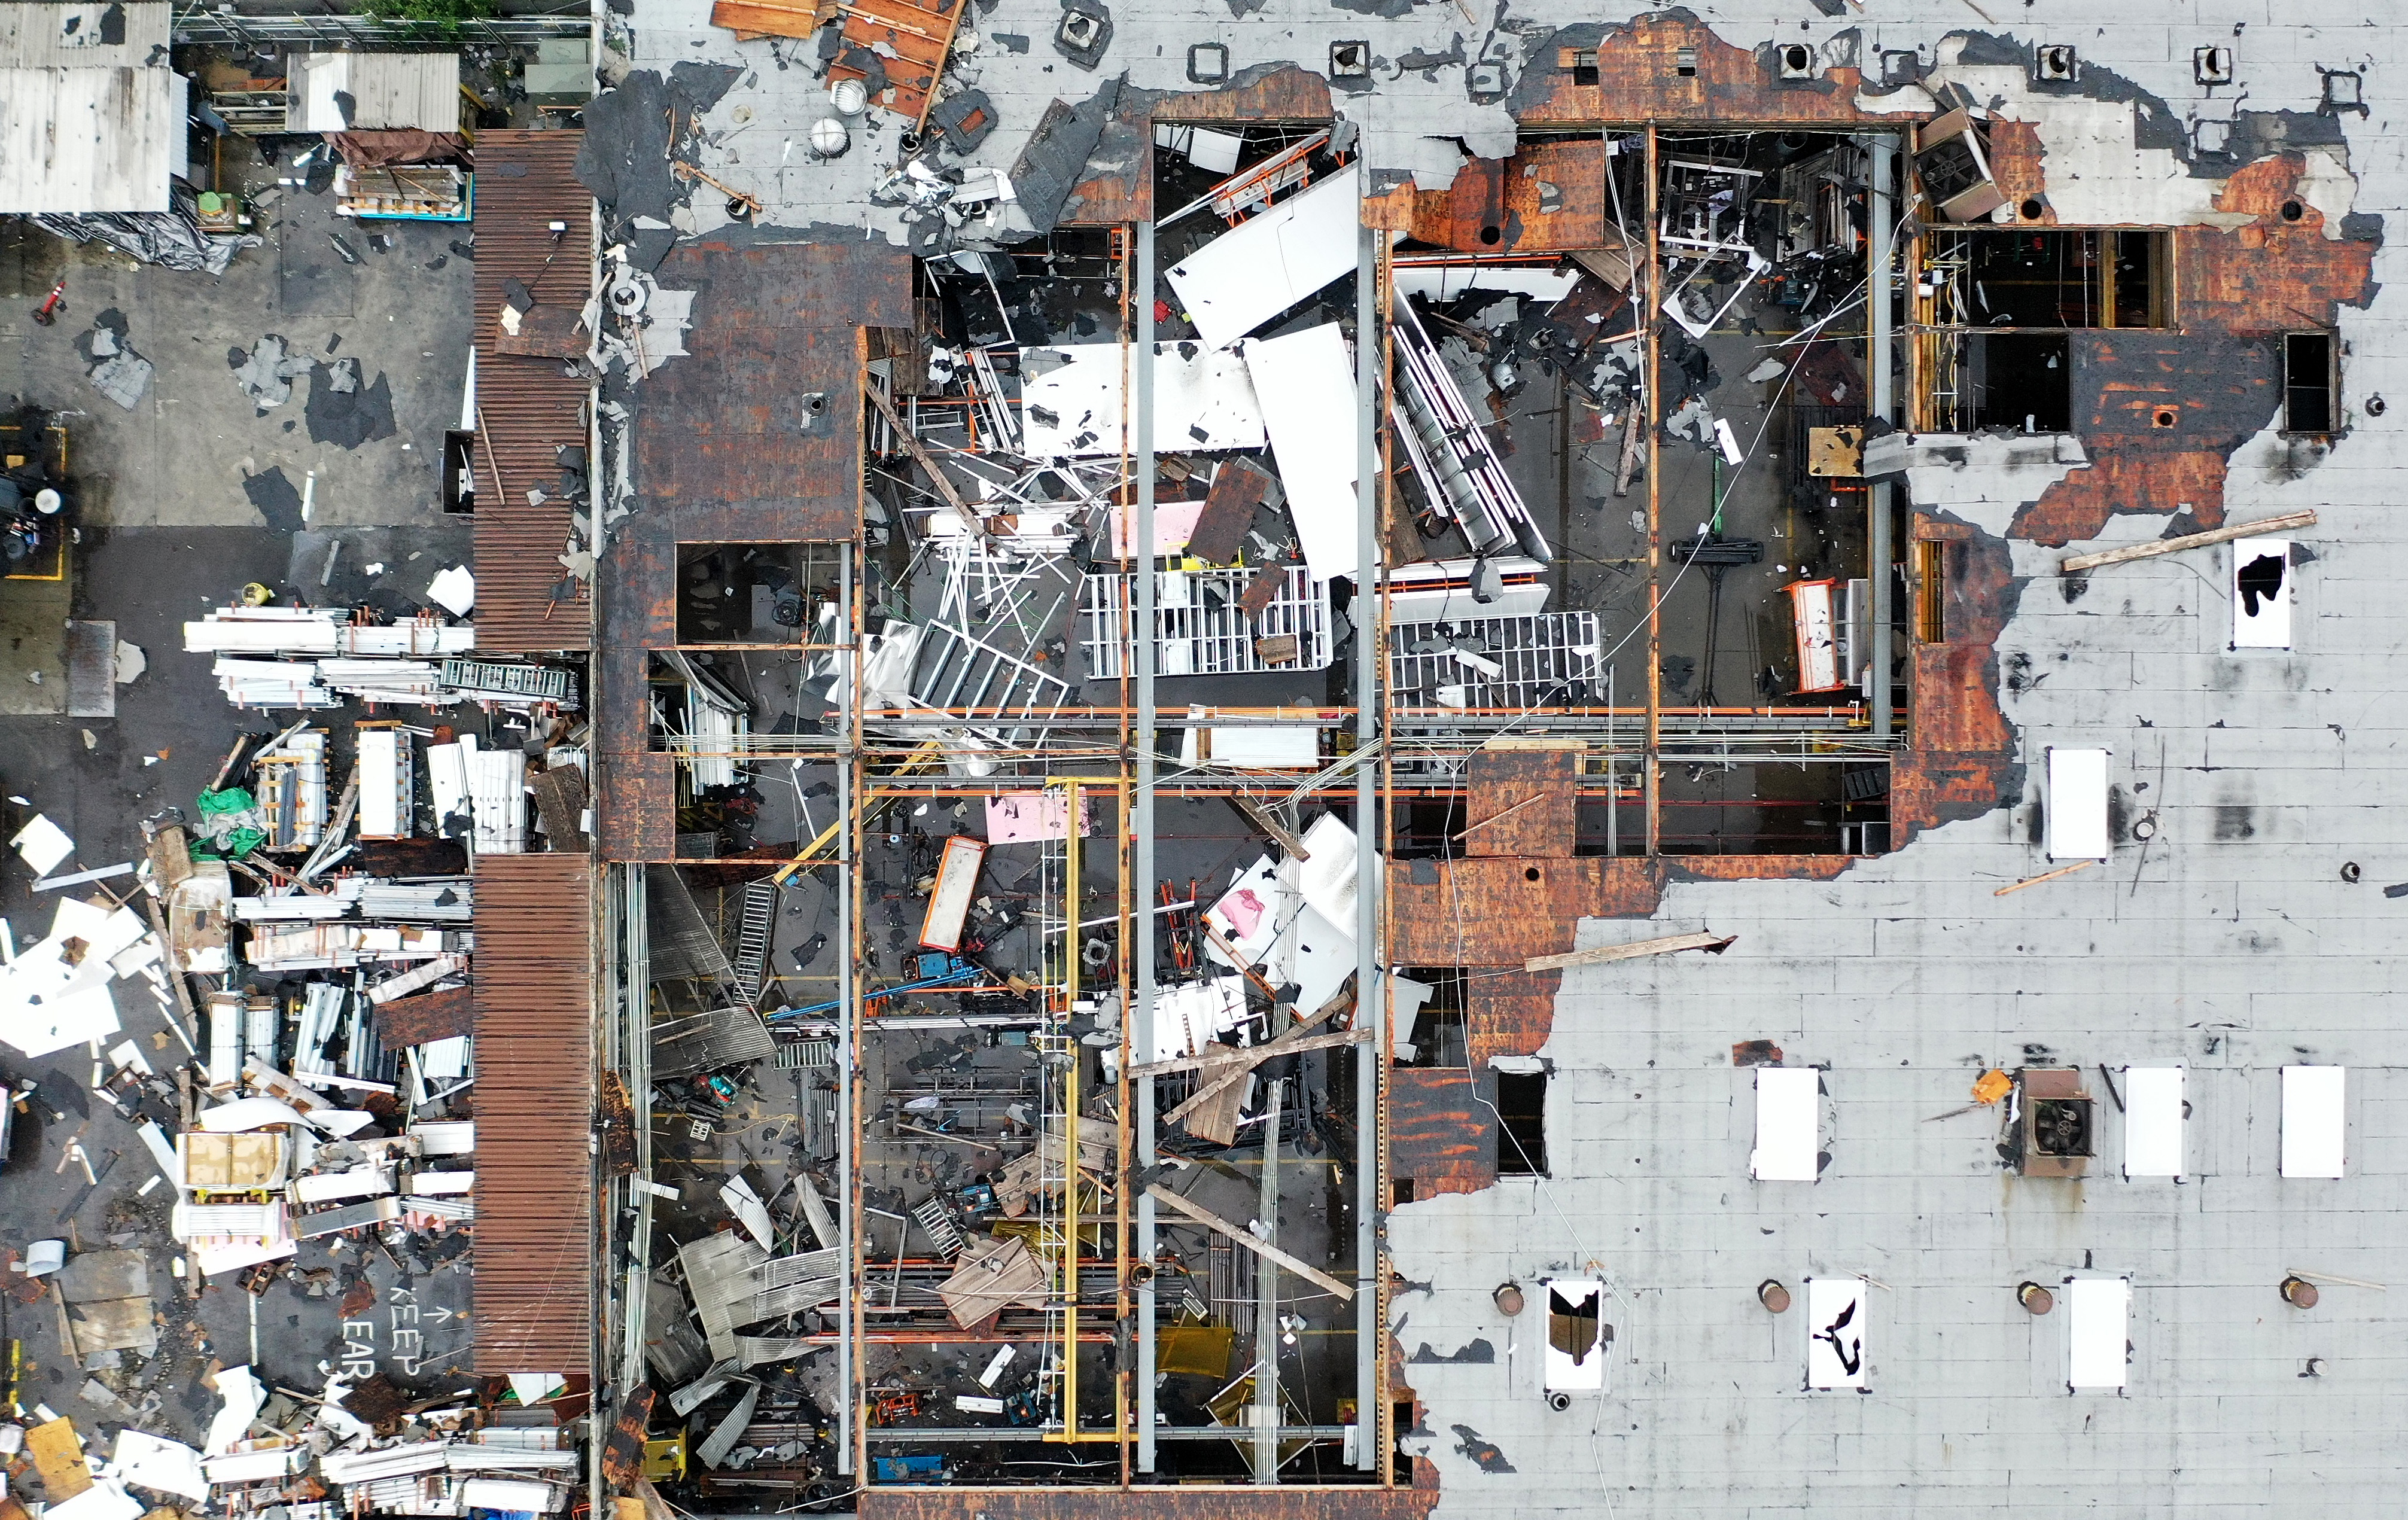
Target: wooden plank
point(2045, 876)
point(1633, 951)
point(1510, 808)
point(1262, 820)
point(2304, 518)
point(920, 455)
point(1227, 1083)
point(1206, 1217)
point(58, 1455)
point(1249, 1056)
point(767, 17)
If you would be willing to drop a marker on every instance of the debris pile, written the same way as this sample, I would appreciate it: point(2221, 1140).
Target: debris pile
point(312, 965)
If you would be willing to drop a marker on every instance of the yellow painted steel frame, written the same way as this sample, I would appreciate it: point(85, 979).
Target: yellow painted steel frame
point(1068, 1261)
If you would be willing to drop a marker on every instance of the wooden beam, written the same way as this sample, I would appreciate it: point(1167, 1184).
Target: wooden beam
point(1502, 813)
point(943, 483)
point(2045, 876)
point(1210, 1220)
point(1602, 953)
point(767, 17)
point(1248, 1056)
point(2304, 518)
point(1236, 958)
point(1262, 820)
point(1215, 1087)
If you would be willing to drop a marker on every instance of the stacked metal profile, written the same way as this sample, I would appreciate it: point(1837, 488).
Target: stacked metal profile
point(534, 1001)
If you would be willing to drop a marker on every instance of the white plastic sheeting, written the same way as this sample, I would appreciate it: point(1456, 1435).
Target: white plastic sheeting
point(2262, 593)
point(1578, 1305)
point(1254, 747)
point(1836, 1355)
point(2153, 1121)
point(1306, 385)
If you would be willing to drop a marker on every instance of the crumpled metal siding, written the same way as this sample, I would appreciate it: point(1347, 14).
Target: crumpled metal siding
point(528, 408)
point(534, 1106)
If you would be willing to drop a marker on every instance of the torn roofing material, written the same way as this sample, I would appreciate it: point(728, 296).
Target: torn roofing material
point(1071, 401)
point(1268, 262)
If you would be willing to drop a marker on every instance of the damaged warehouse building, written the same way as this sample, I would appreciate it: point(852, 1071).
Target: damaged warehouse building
point(1240, 746)
point(1455, 762)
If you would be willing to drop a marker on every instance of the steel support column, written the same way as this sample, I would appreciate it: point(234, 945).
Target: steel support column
point(848, 885)
point(1138, 1020)
point(1369, 1010)
point(1878, 250)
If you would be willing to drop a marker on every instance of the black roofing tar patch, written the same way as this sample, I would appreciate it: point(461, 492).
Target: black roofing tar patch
point(1469, 1443)
point(349, 417)
point(278, 502)
point(1476, 1351)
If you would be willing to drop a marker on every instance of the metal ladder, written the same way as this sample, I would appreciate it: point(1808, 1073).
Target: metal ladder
point(933, 1216)
point(753, 938)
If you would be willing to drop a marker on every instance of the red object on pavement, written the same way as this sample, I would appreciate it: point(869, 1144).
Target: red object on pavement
point(48, 311)
point(1162, 310)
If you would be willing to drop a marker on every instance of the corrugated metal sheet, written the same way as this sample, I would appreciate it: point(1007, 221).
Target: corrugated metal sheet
point(527, 406)
point(534, 1106)
point(75, 141)
point(386, 91)
point(86, 33)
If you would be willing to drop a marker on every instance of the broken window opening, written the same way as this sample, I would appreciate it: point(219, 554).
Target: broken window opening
point(1615, 823)
point(1425, 829)
point(758, 592)
point(1522, 1124)
point(1437, 1032)
point(1774, 808)
point(2310, 383)
point(2047, 278)
point(2019, 382)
